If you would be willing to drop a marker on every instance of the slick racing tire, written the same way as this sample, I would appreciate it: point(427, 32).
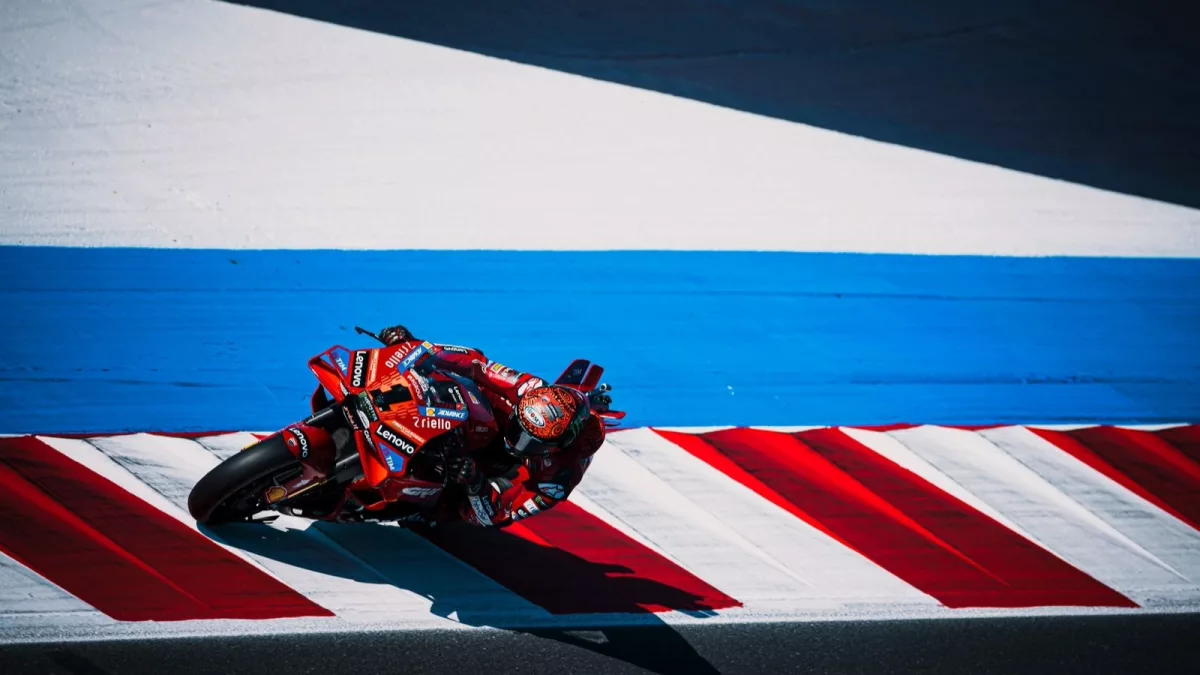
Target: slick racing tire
point(231, 491)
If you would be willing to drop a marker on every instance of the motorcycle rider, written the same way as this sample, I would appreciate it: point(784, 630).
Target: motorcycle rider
point(548, 437)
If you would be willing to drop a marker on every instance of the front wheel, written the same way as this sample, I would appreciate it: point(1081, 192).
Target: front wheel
point(233, 489)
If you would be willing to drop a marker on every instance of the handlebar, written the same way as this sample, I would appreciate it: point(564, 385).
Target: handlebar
point(364, 331)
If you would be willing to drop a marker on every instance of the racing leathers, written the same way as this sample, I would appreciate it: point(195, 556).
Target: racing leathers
point(498, 488)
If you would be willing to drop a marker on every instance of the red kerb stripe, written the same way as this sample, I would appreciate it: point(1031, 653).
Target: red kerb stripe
point(903, 523)
point(119, 554)
point(1186, 439)
point(568, 561)
point(1159, 467)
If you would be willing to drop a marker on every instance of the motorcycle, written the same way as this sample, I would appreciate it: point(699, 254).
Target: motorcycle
point(384, 422)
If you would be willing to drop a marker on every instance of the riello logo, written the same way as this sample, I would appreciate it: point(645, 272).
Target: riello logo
point(396, 357)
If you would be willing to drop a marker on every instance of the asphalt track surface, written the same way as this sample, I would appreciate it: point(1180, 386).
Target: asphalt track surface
point(1159, 644)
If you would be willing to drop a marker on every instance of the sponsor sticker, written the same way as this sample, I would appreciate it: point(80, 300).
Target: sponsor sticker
point(395, 440)
point(455, 349)
point(366, 410)
point(340, 356)
point(434, 423)
point(420, 383)
point(421, 492)
point(394, 359)
point(483, 511)
point(504, 373)
point(443, 413)
point(350, 416)
point(533, 416)
point(358, 370)
point(409, 433)
point(552, 490)
point(302, 440)
point(395, 462)
point(527, 509)
point(412, 357)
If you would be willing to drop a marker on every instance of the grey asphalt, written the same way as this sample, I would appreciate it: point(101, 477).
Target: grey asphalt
point(1096, 645)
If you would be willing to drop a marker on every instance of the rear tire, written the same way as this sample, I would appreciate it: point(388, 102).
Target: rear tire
point(221, 495)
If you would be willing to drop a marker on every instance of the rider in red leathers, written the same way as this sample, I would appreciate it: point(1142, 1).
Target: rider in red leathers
point(548, 437)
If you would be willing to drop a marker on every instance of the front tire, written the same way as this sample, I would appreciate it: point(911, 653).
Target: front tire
point(230, 491)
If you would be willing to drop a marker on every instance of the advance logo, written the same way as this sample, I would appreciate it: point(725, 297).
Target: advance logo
point(443, 413)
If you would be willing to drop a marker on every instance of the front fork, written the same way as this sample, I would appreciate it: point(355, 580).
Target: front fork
point(325, 449)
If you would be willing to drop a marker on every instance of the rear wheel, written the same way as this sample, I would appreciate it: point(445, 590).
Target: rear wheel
point(233, 489)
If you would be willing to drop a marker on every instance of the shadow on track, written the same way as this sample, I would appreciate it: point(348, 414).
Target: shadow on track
point(1098, 93)
point(554, 580)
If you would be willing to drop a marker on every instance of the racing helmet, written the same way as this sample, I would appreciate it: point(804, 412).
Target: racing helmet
point(545, 419)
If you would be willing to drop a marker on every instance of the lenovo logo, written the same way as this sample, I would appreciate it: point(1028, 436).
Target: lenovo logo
point(358, 375)
point(395, 440)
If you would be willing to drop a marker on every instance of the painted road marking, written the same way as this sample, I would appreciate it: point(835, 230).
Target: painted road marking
point(1142, 461)
point(905, 524)
point(118, 553)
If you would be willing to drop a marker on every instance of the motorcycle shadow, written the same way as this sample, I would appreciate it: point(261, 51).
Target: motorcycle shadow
point(501, 574)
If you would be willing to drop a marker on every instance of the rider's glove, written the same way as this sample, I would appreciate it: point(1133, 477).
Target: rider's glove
point(462, 470)
point(395, 335)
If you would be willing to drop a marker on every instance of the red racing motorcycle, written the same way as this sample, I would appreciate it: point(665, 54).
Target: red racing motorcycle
point(378, 431)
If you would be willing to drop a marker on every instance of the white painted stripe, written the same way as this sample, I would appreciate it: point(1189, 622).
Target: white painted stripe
point(635, 501)
point(227, 445)
point(892, 448)
point(787, 429)
point(838, 576)
point(1175, 544)
point(687, 430)
point(1037, 509)
point(25, 592)
point(1139, 427)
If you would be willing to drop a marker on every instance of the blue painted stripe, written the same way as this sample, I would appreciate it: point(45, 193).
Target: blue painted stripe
point(176, 340)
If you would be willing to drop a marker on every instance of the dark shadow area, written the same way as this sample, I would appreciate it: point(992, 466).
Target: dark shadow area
point(1096, 92)
point(1096, 645)
point(557, 581)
